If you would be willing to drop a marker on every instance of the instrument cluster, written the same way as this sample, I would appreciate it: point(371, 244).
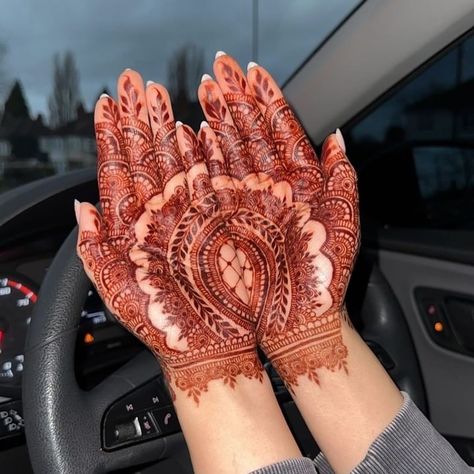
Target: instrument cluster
point(102, 344)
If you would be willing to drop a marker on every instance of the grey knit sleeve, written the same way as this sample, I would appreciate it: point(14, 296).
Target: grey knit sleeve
point(408, 444)
point(290, 466)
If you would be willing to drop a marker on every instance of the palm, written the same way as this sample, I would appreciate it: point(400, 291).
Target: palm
point(160, 256)
point(297, 221)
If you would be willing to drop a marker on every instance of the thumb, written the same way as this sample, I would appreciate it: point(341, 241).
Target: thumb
point(89, 236)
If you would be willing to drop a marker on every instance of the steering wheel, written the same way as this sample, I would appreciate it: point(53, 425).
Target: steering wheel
point(64, 423)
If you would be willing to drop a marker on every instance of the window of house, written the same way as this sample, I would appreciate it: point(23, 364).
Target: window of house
point(414, 150)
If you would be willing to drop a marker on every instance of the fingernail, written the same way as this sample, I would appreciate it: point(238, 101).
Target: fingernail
point(77, 209)
point(220, 53)
point(104, 96)
point(204, 124)
point(340, 140)
point(206, 77)
point(178, 124)
point(127, 69)
point(149, 83)
point(250, 65)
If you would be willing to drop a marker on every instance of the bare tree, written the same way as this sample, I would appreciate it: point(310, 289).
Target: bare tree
point(65, 97)
point(184, 72)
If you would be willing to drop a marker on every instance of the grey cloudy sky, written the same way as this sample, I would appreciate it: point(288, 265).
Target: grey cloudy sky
point(108, 35)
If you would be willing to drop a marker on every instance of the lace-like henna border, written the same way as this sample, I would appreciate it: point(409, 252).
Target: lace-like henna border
point(195, 380)
point(330, 354)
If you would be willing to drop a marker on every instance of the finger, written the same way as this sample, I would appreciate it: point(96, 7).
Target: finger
point(116, 190)
point(222, 183)
point(105, 266)
point(197, 176)
point(216, 164)
point(89, 239)
point(339, 208)
point(295, 150)
point(137, 135)
point(217, 113)
point(341, 178)
point(246, 115)
point(164, 132)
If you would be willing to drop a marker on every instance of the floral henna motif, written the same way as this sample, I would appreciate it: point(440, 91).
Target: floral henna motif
point(247, 119)
point(302, 170)
point(167, 156)
point(164, 263)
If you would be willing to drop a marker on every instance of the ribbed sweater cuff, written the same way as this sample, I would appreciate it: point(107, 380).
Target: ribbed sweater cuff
point(290, 466)
point(408, 444)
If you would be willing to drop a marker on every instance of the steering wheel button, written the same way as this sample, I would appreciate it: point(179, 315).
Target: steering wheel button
point(11, 419)
point(147, 424)
point(151, 395)
point(126, 432)
point(167, 420)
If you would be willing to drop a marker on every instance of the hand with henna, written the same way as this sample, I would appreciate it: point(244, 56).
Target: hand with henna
point(160, 255)
point(163, 261)
point(296, 233)
point(297, 224)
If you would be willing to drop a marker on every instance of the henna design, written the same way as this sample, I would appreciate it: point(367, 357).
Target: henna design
point(164, 263)
point(302, 169)
point(136, 135)
point(238, 161)
point(202, 272)
point(167, 156)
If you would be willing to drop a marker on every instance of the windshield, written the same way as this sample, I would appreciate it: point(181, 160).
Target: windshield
point(57, 57)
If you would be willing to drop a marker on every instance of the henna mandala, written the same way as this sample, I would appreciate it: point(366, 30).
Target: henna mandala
point(160, 255)
point(296, 227)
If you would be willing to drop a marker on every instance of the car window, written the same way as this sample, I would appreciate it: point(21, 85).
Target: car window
point(57, 57)
point(414, 150)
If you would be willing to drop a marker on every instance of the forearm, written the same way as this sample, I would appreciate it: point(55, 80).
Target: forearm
point(235, 430)
point(346, 412)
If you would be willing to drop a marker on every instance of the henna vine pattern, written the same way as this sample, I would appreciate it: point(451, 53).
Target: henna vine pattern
point(296, 225)
point(160, 255)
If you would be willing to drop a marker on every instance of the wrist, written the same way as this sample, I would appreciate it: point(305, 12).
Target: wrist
point(304, 350)
point(199, 378)
point(243, 426)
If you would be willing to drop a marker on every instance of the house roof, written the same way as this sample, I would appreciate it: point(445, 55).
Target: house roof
point(23, 126)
